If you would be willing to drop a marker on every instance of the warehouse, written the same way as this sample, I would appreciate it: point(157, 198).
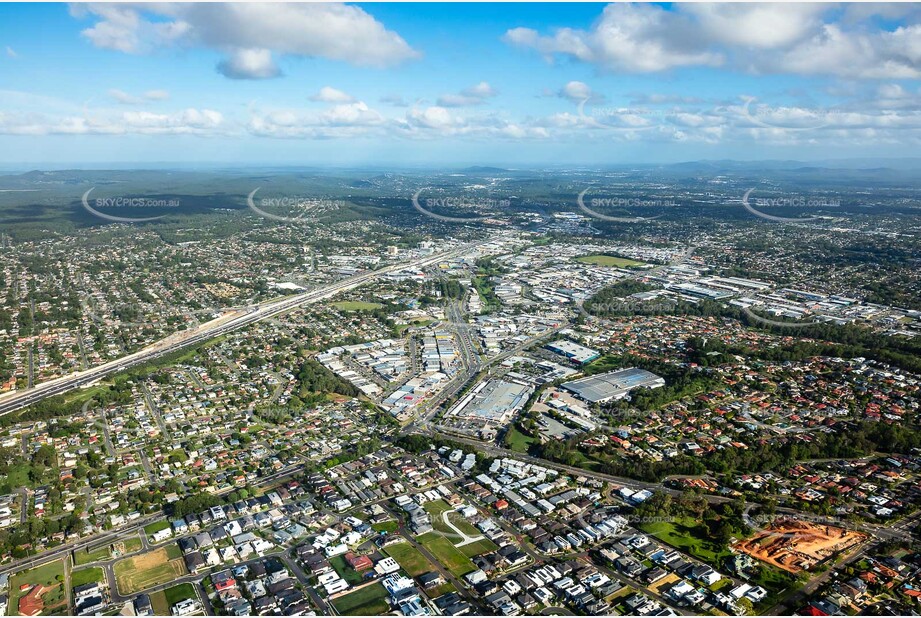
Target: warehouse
point(573, 351)
point(612, 385)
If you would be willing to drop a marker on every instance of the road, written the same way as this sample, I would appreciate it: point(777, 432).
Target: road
point(236, 320)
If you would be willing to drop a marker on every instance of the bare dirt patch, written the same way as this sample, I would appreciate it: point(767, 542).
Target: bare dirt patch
point(795, 546)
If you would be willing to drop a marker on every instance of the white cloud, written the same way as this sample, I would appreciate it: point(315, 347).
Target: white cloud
point(129, 99)
point(758, 25)
point(432, 117)
point(578, 92)
point(328, 94)
point(156, 95)
point(190, 121)
point(631, 38)
point(352, 114)
point(249, 33)
point(474, 95)
point(395, 100)
point(881, 55)
point(11, 53)
point(794, 38)
point(249, 64)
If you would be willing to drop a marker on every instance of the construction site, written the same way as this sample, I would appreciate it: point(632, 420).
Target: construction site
point(795, 545)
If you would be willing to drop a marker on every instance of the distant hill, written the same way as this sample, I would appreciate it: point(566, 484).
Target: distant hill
point(482, 169)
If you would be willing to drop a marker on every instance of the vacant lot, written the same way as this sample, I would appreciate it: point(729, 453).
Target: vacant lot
point(368, 601)
point(179, 593)
point(609, 260)
point(89, 575)
point(449, 556)
point(385, 526)
point(795, 546)
point(410, 559)
point(155, 527)
point(476, 548)
point(149, 569)
point(356, 305)
point(85, 556)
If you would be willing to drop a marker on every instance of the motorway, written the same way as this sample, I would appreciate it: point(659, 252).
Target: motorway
point(215, 328)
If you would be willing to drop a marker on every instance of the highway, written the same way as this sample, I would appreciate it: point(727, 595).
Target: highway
point(244, 317)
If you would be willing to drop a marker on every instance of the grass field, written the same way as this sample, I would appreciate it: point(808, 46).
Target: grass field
point(148, 569)
point(689, 536)
point(130, 544)
point(476, 548)
point(447, 554)
point(461, 523)
point(159, 604)
point(385, 526)
point(155, 527)
point(437, 507)
point(85, 557)
point(609, 260)
point(356, 305)
point(438, 591)
point(86, 576)
point(179, 593)
point(410, 559)
point(417, 322)
point(173, 551)
point(517, 441)
point(50, 575)
point(777, 582)
point(368, 601)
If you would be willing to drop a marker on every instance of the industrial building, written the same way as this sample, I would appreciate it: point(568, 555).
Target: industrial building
point(491, 403)
point(573, 351)
point(612, 385)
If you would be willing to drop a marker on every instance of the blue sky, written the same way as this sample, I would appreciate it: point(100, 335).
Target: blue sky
point(453, 84)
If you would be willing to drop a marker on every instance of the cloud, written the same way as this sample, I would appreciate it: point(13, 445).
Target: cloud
point(11, 53)
point(474, 95)
point(578, 92)
point(757, 25)
point(202, 122)
point(249, 35)
point(395, 100)
point(249, 64)
point(629, 38)
point(433, 117)
point(327, 94)
point(863, 55)
point(642, 98)
point(802, 39)
point(128, 99)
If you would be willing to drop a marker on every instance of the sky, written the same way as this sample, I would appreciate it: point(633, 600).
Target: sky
point(421, 84)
